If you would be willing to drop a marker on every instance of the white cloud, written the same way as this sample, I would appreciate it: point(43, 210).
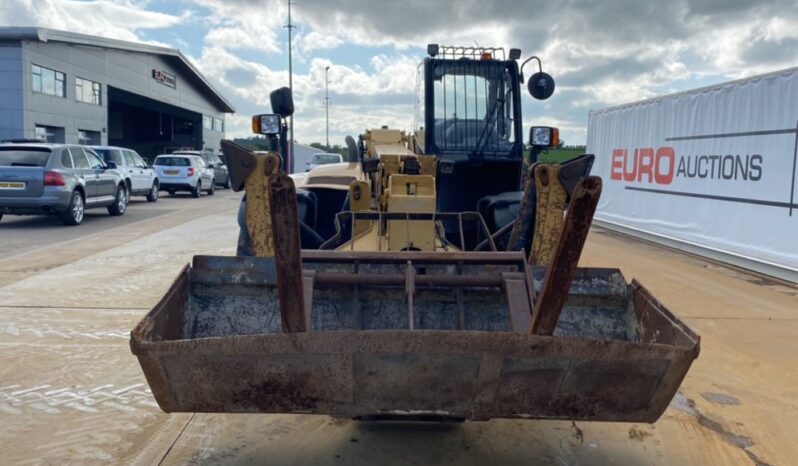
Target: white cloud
point(116, 20)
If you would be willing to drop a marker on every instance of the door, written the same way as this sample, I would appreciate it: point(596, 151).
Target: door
point(206, 174)
point(131, 171)
point(106, 181)
point(84, 173)
point(143, 173)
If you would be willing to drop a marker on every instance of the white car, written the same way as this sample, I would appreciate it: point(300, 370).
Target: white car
point(184, 173)
point(323, 158)
point(140, 178)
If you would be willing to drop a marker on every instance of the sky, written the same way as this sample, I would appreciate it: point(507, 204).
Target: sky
point(600, 53)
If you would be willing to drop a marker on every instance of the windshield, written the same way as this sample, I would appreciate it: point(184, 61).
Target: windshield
point(172, 162)
point(321, 159)
point(24, 157)
point(473, 106)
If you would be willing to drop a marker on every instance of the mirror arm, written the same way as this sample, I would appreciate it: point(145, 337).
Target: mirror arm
point(533, 57)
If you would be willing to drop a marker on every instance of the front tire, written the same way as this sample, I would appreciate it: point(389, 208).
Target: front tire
point(213, 188)
point(75, 211)
point(120, 202)
point(197, 191)
point(153, 194)
point(226, 184)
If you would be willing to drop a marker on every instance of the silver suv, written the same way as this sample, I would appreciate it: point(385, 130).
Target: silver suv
point(58, 179)
point(140, 178)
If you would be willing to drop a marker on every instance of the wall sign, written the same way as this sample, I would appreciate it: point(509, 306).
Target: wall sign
point(165, 78)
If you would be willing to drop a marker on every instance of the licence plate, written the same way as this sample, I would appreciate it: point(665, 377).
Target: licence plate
point(11, 185)
point(171, 172)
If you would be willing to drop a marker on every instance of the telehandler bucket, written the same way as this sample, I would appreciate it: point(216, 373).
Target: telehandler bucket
point(411, 335)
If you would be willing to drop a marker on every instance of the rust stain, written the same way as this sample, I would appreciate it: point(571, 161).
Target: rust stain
point(637, 434)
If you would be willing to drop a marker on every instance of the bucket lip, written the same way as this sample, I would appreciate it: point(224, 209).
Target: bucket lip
point(412, 341)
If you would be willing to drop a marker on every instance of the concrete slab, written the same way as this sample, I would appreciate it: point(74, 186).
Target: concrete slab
point(71, 392)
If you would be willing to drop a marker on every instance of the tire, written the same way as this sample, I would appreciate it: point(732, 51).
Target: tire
point(119, 207)
point(226, 184)
point(213, 188)
point(152, 196)
point(1, 216)
point(171, 192)
point(197, 191)
point(76, 210)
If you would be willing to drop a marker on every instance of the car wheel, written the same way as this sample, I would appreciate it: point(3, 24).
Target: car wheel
point(120, 202)
point(171, 192)
point(153, 195)
point(197, 191)
point(1, 216)
point(73, 215)
point(213, 188)
point(226, 184)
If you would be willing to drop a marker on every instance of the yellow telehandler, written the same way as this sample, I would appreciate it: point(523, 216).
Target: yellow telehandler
point(432, 276)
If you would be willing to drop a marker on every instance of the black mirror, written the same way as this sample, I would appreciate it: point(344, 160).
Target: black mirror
point(111, 165)
point(282, 102)
point(540, 85)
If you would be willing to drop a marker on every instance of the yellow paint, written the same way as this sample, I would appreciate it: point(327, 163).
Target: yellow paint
point(549, 217)
point(259, 220)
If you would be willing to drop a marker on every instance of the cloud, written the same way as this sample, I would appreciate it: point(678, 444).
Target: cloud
point(116, 20)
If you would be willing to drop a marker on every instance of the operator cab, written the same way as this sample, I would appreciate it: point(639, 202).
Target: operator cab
point(468, 113)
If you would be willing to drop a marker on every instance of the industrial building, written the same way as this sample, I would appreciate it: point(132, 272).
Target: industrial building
point(81, 89)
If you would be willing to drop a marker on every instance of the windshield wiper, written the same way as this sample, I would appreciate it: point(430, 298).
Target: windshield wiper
point(477, 152)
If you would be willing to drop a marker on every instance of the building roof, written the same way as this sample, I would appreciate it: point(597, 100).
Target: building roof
point(52, 35)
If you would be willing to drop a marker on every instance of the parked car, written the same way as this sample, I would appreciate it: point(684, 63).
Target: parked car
point(140, 178)
point(58, 179)
point(220, 175)
point(184, 172)
point(323, 158)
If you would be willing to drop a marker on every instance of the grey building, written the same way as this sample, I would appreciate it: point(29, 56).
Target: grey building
point(81, 89)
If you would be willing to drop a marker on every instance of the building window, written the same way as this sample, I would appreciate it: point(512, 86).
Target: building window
point(89, 138)
point(50, 133)
point(218, 125)
point(207, 122)
point(87, 91)
point(48, 81)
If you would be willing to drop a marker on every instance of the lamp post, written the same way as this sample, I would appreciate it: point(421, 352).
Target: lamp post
point(290, 167)
point(327, 104)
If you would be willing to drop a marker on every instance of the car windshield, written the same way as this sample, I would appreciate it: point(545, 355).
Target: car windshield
point(24, 157)
point(473, 106)
point(321, 159)
point(172, 162)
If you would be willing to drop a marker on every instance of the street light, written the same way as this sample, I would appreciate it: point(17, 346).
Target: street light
point(327, 104)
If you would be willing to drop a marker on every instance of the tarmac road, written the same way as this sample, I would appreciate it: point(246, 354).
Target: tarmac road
point(72, 393)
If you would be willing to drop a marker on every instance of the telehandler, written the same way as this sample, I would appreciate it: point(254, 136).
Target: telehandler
point(433, 276)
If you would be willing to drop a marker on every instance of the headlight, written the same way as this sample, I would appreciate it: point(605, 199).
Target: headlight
point(266, 124)
point(543, 136)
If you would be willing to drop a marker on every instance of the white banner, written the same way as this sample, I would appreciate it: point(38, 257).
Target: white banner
point(714, 167)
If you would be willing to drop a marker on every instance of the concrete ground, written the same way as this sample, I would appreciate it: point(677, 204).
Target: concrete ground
point(72, 393)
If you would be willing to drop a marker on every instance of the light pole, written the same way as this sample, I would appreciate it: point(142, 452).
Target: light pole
point(290, 167)
point(327, 104)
